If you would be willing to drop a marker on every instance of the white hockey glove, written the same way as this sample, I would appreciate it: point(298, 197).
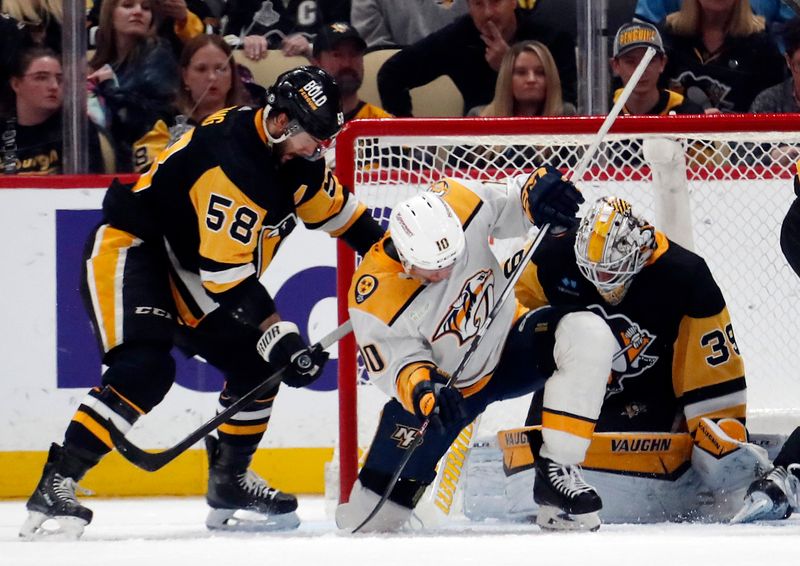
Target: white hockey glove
point(281, 345)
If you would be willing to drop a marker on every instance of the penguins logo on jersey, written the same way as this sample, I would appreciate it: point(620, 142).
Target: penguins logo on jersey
point(634, 341)
point(467, 313)
point(439, 188)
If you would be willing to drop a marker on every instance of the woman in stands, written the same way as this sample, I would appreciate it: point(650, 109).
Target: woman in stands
point(133, 76)
point(31, 132)
point(722, 48)
point(209, 82)
point(528, 84)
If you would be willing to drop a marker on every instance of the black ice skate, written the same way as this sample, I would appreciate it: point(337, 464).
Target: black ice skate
point(773, 496)
point(240, 499)
point(566, 502)
point(53, 509)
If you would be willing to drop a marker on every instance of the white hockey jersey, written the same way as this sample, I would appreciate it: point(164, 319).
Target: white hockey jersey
point(400, 322)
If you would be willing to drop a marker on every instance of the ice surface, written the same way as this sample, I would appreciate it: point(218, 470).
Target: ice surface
point(152, 532)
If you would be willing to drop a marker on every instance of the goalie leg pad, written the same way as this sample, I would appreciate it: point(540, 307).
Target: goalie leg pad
point(573, 395)
point(391, 517)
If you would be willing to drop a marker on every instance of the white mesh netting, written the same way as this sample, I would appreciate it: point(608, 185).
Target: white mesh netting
point(739, 189)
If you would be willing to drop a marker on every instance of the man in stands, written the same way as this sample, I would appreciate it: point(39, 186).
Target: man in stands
point(470, 51)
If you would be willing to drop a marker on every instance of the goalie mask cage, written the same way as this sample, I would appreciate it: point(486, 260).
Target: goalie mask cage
point(736, 170)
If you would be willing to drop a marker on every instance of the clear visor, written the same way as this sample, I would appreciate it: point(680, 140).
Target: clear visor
point(321, 147)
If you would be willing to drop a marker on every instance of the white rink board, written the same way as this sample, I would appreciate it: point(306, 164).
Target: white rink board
point(33, 412)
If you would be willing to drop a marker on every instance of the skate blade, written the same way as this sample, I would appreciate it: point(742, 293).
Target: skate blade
point(758, 507)
point(39, 526)
point(242, 520)
point(555, 520)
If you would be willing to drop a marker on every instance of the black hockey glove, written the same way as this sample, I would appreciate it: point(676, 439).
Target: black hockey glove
point(432, 398)
point(548, 198)
point(281, 345)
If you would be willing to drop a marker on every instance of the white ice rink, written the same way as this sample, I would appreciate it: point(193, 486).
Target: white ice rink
point(152, 532)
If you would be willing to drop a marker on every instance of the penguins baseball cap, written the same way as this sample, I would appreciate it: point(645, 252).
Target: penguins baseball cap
point(333, 34)
point(637, 34)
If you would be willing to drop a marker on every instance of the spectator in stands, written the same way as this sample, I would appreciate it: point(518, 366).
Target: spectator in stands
point(339, 50)
point(287, 25)
point(133, 75)
point(528, 84)
point(470, 51)
point(630, 44)
point(783, 97)
point(209, 82)
point(720, 47)
point(40, 21)
point(654, 11)
point(32, 137)
point(11, 37)
point(386, 23)
point(176, 21)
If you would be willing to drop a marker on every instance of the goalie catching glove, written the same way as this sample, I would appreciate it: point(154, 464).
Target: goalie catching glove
point(432, 398)
point(548, 198)
point(282, 346)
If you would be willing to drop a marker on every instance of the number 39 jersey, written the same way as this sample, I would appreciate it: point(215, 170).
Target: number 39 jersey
point(679, 357)
point(401, 323)
point(222, 203)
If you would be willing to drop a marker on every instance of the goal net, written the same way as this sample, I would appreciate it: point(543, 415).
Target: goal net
point(718, 184)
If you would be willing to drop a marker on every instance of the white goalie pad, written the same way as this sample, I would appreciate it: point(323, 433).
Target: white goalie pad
point(640, 495)
point(391, 517)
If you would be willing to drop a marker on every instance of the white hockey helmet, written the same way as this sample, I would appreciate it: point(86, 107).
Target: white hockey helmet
point(612, 245)
point(426, 233)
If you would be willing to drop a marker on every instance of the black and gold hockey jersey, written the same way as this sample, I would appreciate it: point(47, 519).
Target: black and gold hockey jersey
point(222, 203)
point(679, 360)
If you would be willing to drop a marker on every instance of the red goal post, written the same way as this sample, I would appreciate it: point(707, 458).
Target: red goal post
point(726, 196)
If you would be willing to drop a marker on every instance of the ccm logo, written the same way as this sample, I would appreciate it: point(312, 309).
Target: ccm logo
point(154, 311)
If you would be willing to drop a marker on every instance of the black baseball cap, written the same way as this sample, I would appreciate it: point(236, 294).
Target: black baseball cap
point(333, 34)
point(637, 34)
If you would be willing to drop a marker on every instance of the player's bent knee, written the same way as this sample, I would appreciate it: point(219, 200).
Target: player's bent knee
point(391, 516)
point(584, 342)
point(142, 372)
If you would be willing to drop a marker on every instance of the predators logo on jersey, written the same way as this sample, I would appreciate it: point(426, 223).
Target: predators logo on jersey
point(634, 341)
point(365, 287)
point(468, 312)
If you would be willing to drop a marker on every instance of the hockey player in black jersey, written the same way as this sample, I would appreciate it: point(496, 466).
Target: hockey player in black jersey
point(177, 261)
point(678, 369)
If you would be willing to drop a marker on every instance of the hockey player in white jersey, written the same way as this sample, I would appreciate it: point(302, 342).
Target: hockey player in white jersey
point(416, 303)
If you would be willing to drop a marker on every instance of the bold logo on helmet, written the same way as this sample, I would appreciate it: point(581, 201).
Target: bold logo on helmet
point(468, 312)
point(634, 341)
point(365, 287)
point(313, 94)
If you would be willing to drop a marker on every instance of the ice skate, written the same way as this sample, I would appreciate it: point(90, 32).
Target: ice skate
point(773, 496)
point(240, 499)
point(566, 502)
point(53, 509)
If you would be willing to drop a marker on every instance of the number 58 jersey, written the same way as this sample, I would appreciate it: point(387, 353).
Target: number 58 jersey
point(222, 202)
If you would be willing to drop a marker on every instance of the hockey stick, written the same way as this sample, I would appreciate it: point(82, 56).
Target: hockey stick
point(152, 461)
point(577, 174)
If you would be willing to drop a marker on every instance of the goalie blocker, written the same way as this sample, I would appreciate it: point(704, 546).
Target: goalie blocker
point(642, 477)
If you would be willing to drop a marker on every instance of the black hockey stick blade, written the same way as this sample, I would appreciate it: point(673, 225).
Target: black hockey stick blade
point(152, 461)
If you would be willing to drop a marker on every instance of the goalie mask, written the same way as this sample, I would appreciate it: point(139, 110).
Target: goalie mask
point(612, 246)
point(426, 233)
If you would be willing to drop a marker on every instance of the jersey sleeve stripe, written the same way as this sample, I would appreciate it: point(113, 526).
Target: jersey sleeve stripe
point(410, 300)
point(227, 276)
point(717, 390)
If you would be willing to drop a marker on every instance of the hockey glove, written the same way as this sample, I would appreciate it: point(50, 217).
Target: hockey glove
point(548, 198)
point(433, 399)
point(281, 345)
